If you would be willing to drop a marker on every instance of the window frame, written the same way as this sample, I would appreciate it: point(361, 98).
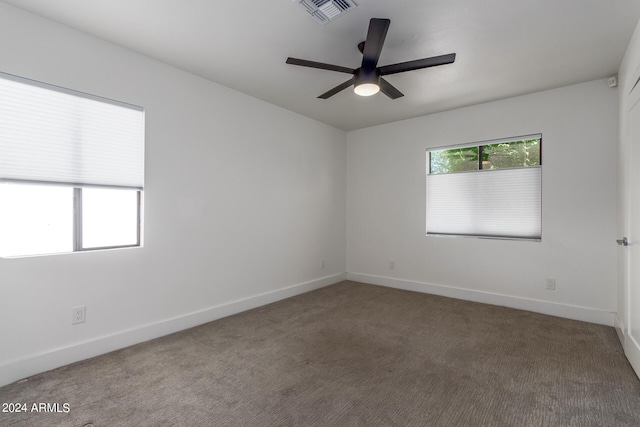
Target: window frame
point(480, 169)
point(485, 143)
point(77, 216)
point(78, 245)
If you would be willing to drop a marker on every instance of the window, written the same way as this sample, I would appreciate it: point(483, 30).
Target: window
point(71, 170)
point(489, 189)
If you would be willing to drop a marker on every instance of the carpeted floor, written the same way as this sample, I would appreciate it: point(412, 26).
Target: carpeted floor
point(351, 354)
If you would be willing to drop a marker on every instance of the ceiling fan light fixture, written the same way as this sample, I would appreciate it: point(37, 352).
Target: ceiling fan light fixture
point(366, 82)
point(366, 89)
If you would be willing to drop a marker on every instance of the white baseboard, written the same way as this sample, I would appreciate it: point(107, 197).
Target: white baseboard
point(620, 330)
point(632, 351)
point(585, 314)
point(24, 367)
point(630, 345)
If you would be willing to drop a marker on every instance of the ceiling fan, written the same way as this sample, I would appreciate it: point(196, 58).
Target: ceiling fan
point(367, 80)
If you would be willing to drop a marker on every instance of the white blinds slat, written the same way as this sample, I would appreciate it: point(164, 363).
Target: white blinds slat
point(499, 203)
point(49, 135)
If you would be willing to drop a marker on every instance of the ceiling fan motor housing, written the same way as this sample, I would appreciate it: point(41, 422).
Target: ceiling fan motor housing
point(363, 76)
point(366, 82)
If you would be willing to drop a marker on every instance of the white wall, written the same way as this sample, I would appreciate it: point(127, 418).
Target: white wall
point(627, 77)
point(243, 200)
point(386, 206)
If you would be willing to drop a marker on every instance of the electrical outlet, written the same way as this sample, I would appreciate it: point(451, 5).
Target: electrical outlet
point(323, 264)
point(79, 314)
point(392, 265)
point(550, 284)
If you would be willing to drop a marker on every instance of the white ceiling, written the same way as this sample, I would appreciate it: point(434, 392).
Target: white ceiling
point(504, 47)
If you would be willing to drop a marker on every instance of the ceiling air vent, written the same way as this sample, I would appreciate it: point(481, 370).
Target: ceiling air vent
point(324, 11)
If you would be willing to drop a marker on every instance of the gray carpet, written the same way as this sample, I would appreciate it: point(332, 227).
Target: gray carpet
point(352, 354)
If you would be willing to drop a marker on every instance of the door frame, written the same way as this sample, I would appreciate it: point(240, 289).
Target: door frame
point(627, 146)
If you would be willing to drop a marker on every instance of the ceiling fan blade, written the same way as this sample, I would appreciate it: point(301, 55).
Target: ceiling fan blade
point(373, 45)
point(337, 89)
point(417, 64)
point(320, 65)
point(389, 90)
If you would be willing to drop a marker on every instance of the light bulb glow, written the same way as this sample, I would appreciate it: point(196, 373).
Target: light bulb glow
point(366, 89)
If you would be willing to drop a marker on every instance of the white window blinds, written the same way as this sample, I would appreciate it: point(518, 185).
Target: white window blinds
point(54, 135)
point(498, 203)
